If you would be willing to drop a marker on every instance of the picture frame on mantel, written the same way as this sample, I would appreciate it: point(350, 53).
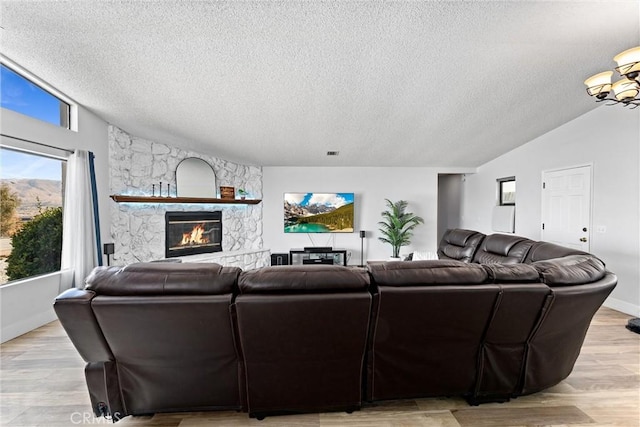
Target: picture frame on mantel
point(227, 192)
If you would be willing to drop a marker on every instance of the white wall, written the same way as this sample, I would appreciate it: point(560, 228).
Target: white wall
point(418, 186)
point(609, 139)
point(27, 304)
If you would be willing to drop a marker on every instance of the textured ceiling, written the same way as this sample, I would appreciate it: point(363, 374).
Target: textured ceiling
point(409, 83)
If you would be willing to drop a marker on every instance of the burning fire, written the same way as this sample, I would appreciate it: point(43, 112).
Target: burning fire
point(195, 237)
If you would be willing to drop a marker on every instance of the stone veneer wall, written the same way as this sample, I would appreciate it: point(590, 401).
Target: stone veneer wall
point(138, 230)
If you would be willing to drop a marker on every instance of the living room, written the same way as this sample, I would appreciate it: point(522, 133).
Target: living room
point(392, 143)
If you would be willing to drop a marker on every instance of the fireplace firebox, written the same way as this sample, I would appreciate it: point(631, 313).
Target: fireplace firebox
point(191, 233)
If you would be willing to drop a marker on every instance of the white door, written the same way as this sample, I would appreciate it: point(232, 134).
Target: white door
point(566, 207)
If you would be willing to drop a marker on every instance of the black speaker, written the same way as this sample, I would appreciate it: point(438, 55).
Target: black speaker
point(363, 234)
point(109, 249)
point(279, 259)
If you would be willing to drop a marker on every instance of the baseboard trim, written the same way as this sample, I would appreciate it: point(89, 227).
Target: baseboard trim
point(14, 330)
point(622, 306)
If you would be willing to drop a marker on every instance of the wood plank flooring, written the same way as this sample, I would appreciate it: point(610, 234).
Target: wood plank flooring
point(42, 384)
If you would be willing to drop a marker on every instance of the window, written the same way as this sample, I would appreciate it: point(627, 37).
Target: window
point(507, 191)
point(31, 190)
point(25, 97)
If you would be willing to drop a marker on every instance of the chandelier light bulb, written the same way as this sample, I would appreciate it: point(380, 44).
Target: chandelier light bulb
point(599, 85)
point(629, 62)
point(625, 89)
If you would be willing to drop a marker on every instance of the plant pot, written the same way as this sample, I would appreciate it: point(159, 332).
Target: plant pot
point(392, 258)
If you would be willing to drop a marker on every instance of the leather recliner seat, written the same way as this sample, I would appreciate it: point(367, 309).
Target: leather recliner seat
point(429, 320)
point(156, 337)
point(302, 334)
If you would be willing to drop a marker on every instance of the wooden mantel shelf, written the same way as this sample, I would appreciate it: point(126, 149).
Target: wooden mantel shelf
point(148, 199)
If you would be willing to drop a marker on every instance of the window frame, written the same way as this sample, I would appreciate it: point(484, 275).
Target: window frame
point(72, 117)
point(501, 182)
point(42, 150)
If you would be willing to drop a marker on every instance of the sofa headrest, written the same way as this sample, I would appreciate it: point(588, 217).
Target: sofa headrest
point(541, 251)
point(503, 249)
point(570, 270)
point(163, 279)
point(303, 279)
point(425, 273)
point(500, 244)
point(459, 244)
point(508, 273)
point(460, 237)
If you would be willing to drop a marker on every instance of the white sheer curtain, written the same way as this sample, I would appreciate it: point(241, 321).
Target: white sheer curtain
point(79, 249)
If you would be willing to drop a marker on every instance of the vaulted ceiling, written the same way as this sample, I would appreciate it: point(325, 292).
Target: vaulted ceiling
point(407, 83)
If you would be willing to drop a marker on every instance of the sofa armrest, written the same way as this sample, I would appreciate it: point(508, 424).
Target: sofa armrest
point(73, 308)
point(570, 270)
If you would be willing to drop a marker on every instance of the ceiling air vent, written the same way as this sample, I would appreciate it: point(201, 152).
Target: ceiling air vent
point(332, 153)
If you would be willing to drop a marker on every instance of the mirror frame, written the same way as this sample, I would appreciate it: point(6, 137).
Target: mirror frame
point(195, 178)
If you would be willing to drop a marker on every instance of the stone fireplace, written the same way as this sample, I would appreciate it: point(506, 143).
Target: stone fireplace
point(138, 230)
point(192, 233)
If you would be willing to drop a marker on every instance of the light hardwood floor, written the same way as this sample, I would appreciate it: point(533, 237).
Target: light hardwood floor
point(42, 384)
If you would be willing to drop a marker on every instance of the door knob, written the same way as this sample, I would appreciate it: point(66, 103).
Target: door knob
point(583, 239)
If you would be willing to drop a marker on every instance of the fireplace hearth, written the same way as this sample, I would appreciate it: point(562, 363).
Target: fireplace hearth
point(191, 233)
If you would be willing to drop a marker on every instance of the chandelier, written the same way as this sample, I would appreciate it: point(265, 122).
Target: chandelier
point(625, 91)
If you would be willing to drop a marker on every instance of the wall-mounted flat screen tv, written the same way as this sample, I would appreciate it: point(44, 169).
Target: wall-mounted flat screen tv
point(318, 213)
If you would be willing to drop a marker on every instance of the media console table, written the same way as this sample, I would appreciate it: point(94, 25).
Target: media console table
point(318, 256)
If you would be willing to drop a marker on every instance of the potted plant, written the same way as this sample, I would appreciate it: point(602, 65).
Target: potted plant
point(242, 193)
point(397, 226)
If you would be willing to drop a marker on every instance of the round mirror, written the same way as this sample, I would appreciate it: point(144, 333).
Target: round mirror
point(195, 178)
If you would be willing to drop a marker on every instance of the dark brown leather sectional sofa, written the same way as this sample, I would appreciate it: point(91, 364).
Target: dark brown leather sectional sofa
point(494, 318)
